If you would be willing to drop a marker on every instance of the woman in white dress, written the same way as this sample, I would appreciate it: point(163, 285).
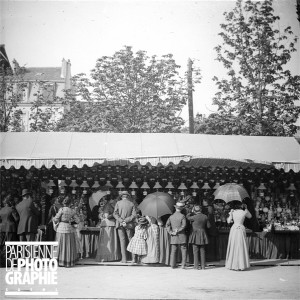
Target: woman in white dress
point(237, 256)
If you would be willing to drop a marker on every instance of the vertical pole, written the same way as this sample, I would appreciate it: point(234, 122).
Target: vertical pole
point(190, 96)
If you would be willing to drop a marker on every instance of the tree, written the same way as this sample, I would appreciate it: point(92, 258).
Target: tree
point(42, 117)
point(129, 92)
point(257, 98)
point(10, 97)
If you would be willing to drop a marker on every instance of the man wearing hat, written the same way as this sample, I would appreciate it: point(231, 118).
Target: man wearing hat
point(176, 228)
point(124, 213)
point(198, 237)
point(29, 216)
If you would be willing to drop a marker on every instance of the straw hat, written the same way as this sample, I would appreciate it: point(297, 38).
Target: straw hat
point(179, 205)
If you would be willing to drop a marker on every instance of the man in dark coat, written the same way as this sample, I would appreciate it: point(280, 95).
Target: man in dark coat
point(198, 237)
point(213, 236)
point(29, 215)
point(175, 226)
point(9, 218)
point(124, 213)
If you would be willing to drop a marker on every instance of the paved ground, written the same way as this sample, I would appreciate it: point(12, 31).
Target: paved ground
point(269, 279)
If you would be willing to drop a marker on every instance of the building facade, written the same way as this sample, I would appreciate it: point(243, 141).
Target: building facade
point(47, 84)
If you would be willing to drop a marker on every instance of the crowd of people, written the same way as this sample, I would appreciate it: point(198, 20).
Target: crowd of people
point(126, 234)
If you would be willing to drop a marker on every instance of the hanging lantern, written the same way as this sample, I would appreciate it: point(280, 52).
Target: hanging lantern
point(51, 184)
point(133, 187)
point(62, 186)
point(169, 186)
point(217, 185)
point(85, 186)
point(182, 188)
point(292, 188)
point(109, 186)
point(74, 185)
point(206, 186)
point(145, 187)
point(194, 186)
point(120, 186)
point(96, 184)
point(157, 186)
point(261, 189)
point(62, 183)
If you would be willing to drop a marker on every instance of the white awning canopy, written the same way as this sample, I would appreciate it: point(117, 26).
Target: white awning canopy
point(74, 148)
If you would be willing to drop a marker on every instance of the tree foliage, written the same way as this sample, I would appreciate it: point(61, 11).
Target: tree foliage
point(42, 106)
point(129, 92)
point(10, 97)
point(257, 97)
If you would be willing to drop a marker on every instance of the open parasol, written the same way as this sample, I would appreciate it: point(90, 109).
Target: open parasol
point(94, 199)
point(157, 204)
point(231, 192)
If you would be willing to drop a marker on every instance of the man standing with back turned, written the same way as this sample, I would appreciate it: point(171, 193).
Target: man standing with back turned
point(176, 228)
point(29, 217)
point(124, 213)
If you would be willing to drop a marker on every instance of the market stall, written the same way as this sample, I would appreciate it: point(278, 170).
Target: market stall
point(82, 164)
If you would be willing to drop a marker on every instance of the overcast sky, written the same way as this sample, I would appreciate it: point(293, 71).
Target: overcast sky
point(41, 33)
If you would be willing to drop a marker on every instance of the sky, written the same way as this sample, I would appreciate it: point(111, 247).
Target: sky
point(42, 33)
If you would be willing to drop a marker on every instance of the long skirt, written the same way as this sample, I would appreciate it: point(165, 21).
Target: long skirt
point(152, 242)
point(108, 246)
point(164, 246)
point(237, 256)
point(67, 249)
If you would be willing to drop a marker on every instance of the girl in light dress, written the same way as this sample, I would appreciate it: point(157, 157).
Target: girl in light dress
point(137, 245)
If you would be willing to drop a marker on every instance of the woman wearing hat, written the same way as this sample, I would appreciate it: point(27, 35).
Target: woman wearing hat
point(108, 246)
point(57, 204)
point(66, 234)
point(198, 237)
point(137, 245)
point(237, 256)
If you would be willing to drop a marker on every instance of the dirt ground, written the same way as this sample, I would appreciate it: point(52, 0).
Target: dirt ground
point(265, 280)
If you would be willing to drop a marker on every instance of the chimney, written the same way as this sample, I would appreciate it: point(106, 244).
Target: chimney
point(68, 75)
point(63, 68)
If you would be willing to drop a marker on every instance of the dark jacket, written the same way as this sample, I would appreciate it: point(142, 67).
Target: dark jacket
point(29, 216)
point(198, 235)
point(124, 212)
point(9, 218)
point(177, 222)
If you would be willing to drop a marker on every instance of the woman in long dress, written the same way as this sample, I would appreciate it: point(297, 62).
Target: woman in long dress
point(237, 256)
point(66, 235)
point(108, 248)
point(152, 242)
point(50, 232)
point(164, 241)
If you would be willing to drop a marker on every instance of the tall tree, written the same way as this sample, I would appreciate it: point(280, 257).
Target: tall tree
point(10, 97)
point(257, 97)
point(129, 92)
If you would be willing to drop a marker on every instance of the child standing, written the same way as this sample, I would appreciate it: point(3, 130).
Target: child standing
point(137, 245)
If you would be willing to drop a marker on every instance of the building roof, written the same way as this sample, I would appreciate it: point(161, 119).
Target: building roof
point(77, 148)
point(43, 74)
